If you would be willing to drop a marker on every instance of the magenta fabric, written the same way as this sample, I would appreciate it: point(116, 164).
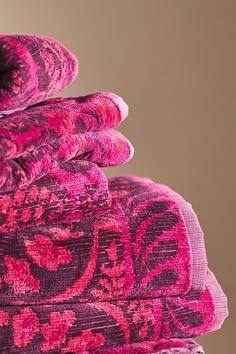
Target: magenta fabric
point(73, 326)
point(89, 264)
point(32, 68)
point(118, 278)
point(48, 121)
point(75, 191)
point(105, 148)
point(138, 221)
point(39, 139)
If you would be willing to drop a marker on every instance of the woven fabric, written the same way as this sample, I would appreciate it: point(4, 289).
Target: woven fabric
point(39, 139)
point(32, 68)
point(118, 278)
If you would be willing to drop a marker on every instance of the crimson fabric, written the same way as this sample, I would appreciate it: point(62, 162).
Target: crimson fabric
point(120, 278)
point(144, 225)
point(50, 120)
point(105, 148)
point(88, 264)
point(32, 68)
point(75, 191)
point(39, 139)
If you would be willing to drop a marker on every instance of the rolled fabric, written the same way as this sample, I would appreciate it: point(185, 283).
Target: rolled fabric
point(48, 121)
point(32, 69)
point(139, 247)
point(73, 327)
point(105, 148)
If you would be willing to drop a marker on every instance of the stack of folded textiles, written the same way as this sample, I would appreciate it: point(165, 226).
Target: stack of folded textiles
point(88, 264)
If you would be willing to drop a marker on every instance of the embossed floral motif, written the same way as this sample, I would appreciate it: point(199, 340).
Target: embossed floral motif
point(19, 276)
point(4, 318)
point(87, 340)
point(113, 281)
point(25, 326)
point(47, 255)
point(62, 234)
point(142, 314)
point(55, 333)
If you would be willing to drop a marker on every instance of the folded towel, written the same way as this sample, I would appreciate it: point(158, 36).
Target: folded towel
point(105, 148)
point(48, 121)
point(120, 276)
point(32, 68)
point(73, 326)
point(141, 245)
point(41, 138)
point(88, 264)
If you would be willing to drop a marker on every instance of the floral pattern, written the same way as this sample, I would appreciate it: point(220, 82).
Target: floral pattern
point(4, 318)
point(87, 340)
point(62, 195)
point(117, 278)
point(47, 68)
point(45, 254)
point(55, 333)
point(18, 275)
point(25, 327)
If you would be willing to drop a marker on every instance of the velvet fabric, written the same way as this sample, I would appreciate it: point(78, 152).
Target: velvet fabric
point(122, 277)
point(89, 264)
point(32, 68)
point(40, 138)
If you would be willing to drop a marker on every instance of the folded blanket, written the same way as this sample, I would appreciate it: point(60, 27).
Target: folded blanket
point(145, 243)
point(70, 327)
point(32, 68)
point(126, 274)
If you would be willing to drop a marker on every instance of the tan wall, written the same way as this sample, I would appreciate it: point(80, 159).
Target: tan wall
point(174, 63)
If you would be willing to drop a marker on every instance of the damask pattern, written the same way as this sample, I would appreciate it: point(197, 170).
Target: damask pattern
point(73, 192)
point(50, 120)
point(32, 68)
point(88, 264)
point(119, 278)
point(85, 326)
point(105, 148)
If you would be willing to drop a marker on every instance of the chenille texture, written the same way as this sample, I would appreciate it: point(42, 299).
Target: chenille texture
point(89, 263)
point(32, 68)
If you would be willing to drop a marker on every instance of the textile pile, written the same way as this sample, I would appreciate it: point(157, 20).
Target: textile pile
point(89, 263)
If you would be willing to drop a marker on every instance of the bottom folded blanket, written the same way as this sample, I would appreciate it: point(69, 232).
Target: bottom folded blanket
point(81, 326)
point(90, 265)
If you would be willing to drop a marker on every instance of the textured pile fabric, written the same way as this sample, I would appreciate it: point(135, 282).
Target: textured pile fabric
point(32, 68)
point(89, 263)
point(42, 137)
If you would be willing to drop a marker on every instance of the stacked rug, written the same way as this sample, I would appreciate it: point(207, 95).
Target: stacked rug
point(89, 263)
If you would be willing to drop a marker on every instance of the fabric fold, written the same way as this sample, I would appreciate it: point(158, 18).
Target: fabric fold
point(48, 121)
point(89, 264)
point(32, 68)
point(105, 148)
point(69, 327)
point(75, 191)
point(127, 240)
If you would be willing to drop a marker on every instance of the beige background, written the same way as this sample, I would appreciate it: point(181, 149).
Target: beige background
point(174, 63)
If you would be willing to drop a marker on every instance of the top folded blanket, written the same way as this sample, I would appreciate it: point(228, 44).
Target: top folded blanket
point(32, 68)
